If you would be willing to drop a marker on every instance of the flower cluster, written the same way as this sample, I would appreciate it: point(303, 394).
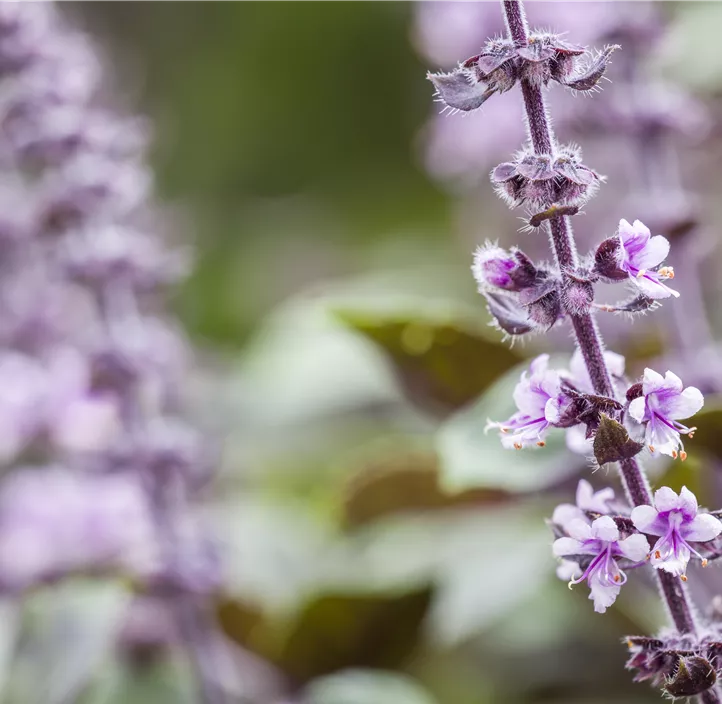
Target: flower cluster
point(597, 536)
point(99, 467)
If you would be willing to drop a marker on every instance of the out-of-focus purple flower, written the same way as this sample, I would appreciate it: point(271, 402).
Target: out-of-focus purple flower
point(678, 521)
point(600, 540)
point(54, 521)
point(588, 500)
point(538, 397)
point(640, 255)
point(663, 403)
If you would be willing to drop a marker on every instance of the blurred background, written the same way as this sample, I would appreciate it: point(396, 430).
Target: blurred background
point(377, 545)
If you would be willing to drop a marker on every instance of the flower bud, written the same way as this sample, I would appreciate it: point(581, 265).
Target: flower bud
point(606, 260)
point(543, 303)
point(577, 295)
point(494, 267)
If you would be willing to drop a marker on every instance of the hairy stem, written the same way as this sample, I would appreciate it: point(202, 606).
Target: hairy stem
point(585, 329)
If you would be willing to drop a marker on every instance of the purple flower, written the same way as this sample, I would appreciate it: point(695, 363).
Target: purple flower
point(538, 396)
point(677, 521)
point(640, 255)
point(600, 540)
point(587, 500)
point(663, 403)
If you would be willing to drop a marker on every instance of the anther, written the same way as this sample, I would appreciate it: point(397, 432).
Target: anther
point(674, 454)
point(683, 455)
point(517, 446)
point(651, 448)
point(541, 443)
point(666, 272)
point(683, 577)
point(704, 562)
point(657, 555)
point(641, 273)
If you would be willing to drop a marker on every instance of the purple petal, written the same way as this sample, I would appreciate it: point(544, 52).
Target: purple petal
point(566, 513)
point(652, 381)
point(654, 253)
point(702, 528)
point(580, 530)
point(686, 404)
point(688, 503)
point(635, 547)
point(459, 89)
point(646, 519)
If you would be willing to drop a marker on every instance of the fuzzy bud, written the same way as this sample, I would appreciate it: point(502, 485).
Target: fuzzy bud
point(606, 260)
point(494, 267)
point(577, 295)
point(543, 303)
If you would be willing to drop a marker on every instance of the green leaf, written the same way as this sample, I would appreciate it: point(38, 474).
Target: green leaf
point(397, 480)
point(443, 358)
point(472, 458)
point(366, 687)
point(612, 442)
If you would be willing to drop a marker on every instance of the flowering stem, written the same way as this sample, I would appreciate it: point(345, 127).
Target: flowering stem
point(585, 329)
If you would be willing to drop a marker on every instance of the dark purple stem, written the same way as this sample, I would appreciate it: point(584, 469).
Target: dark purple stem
point(585, 329)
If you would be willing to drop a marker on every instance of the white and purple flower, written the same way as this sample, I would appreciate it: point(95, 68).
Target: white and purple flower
point(663, 404)
point(587, 500)
point(676, 519)
point(538, 397)
point(640, 255)
point(600, 540)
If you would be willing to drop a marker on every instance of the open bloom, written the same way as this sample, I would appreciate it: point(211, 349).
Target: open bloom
point(538, 396)
point(663, 404)
point(677, 521)
point(600, 540)
point(640, 255)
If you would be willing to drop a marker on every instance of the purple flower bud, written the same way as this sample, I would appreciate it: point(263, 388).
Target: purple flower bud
point(640, 256)
point(677, 520)
point(663, 404)
point(601, 541)
point(494, 267)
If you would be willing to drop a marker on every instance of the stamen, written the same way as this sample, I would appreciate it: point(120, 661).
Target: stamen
point(651, 448)
point(657, 555)
point(541, 443)
point(666, 272)
point(683, 577)
point(683, 455)
point(616, 577)
point(517, 446)
point(641, 273)
point(704, 562)
point(674, 454)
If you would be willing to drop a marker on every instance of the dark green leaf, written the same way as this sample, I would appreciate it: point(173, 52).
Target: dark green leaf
point(612, 442)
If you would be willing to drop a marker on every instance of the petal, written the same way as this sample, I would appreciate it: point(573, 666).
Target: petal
point(567, 546)
point(683, 405)
point(539, 364)
point(675, 564)
point(652, 381)
point(635, 547)
point(605, 528)
point(665, 499)
point(568, 570)
point(701, 529)
point(646, 519)
point(585, 492)
point(654, 253)
point(661, 438)
point(637, 409)
point(603, 594)
point(652, 286)
point(564, 514)
point(578, 442)
point(688, 503)
point(579, 530)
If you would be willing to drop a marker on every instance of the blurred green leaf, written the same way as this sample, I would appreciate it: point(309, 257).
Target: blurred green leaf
point(366, 687)
point(354, 630)
point(472, 458)
point(443, 359)
point(708, 436)
point(392, 480)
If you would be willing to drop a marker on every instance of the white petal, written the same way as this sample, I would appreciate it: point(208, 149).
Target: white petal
point(652, 381)
point(567, 546)
point(675, 564)
point(640, 228)
point(688, 503)
point(703, 528)
point(635, 547)
point(577, 441)
point(603, 594)
point(568, 570)
point(539, 364)
point(654, 253)
point(585, 492)
point(665, 499)
point(615, 363)
point(605, 528)
point(579, 530)
point(645, 519)
point(637, 408)
point(564, 514)
point(686, 404)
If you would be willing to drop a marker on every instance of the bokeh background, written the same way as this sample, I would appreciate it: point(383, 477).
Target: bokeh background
point(379, 547)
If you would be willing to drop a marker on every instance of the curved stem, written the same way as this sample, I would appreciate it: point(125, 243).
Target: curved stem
point(585, 329)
